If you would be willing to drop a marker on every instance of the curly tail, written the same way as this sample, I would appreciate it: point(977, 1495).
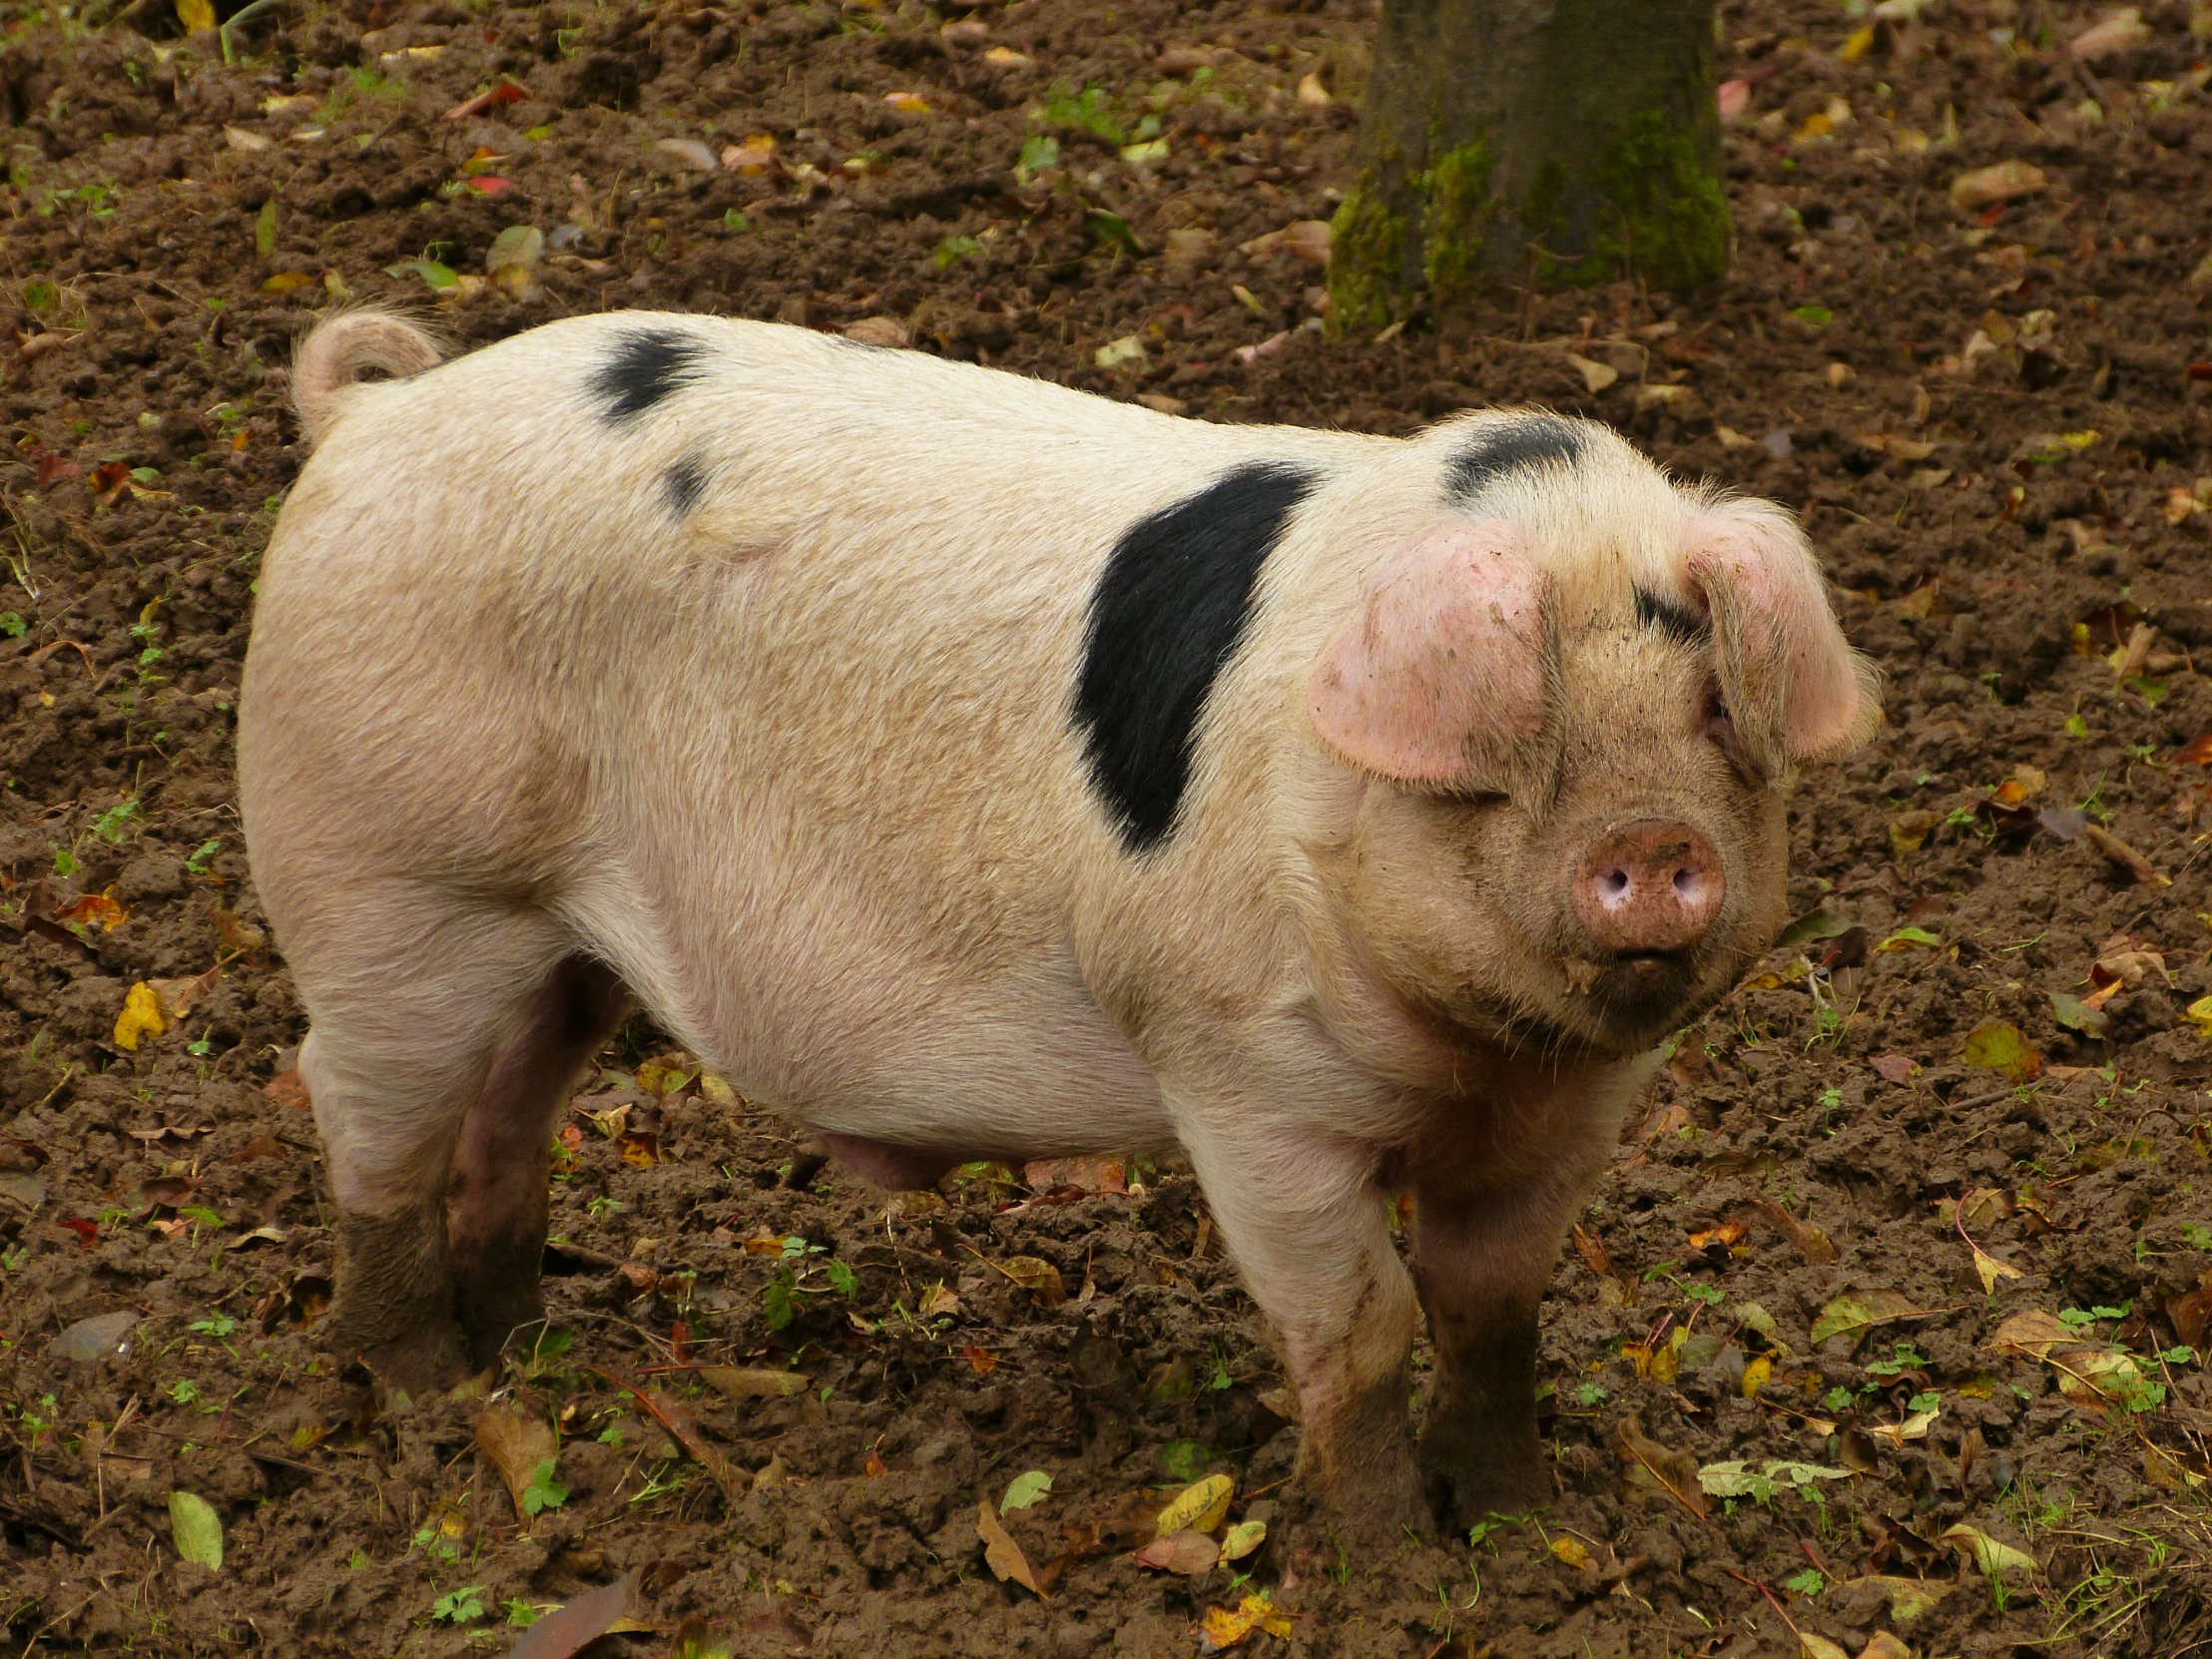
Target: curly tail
point(336, 352)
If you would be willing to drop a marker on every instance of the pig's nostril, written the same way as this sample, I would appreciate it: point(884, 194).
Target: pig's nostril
point(1649, 888)
point(1615, 882)
point(1685, 882)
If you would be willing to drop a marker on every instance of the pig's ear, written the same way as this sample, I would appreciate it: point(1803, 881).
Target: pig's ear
point(1438, 676)
point(1795, 689)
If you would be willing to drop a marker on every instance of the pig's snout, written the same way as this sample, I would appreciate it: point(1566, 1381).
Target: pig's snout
point(1648, 886)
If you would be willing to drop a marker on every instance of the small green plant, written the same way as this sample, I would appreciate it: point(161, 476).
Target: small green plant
point(2196, 1234)
point(1839, 1399)
point(65, 862)
point(357, 1561)
point(602, 1206)
point(216, 1326)
point(432, 1541)
point(783, 1301)
point(732, 219)
point(1810, 1582)
point(1710, 1295)
point(846, 1282)
point(1089, 110)
point(13, 625)
point(1589, 1395)
point(1902, 1357)
point(462, 1606)
point(202, 856)
point(113, 823)
point(185, 1391)
point(543, 1493)
point(953, 249)
point(521, 1614)
point(1039, 153)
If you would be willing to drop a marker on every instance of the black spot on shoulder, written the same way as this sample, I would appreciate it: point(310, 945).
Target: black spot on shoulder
point(1514, 446)
point(1678, 622)
point(645, 368)
point(682, 484)
point(1166, 615)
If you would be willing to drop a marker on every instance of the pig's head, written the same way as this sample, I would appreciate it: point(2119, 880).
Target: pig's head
point(1578, 699)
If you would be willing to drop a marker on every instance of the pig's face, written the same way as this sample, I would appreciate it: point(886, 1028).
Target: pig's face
point(1572, 837)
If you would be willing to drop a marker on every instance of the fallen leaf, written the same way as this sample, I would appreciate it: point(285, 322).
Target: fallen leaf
point(567, 1631)
point(196, 15)
point(2121, 30)
point(879, 330)
point(908, 103)
point(258, 1235)
point(1572, 1552)
point(938, 1302)
point(1991, 1558)
point(1910, 938)
point(94, 1338)
point(1083, 1175)
point(756, 155)
point(1039, 1277)
point(1005, 56)
point(1811, 1242)
point(246, 141)
point(26, 1190)
point(1854, 1313)
point(1726, 1235)
point(1185, 1551)
point(1307, 239)
point(1597, 376)
point(176, 996)
point(1900, 1069)
point(1002, 1555)
point(93, 908)
point(1314, 94)
point(1811, 1646)
point(503, 90)
point(752, 1383)
point(2076, 1015)
point(1739, 1479)
point(517, 1447)
point(1996, 1046)
point(1758, 1371)
point(981, 1360)
point(1985, 187)
point(1650, 1466)
point(141, 1016)
point(690, 152)
point(1026, 1490)
point(1200, 1507)
point(2123, 855)
point(1913, 1427)
point(682, 1425)
point(196, 1529)
point(1242, 1540)
point(1734, 98)
point(1223, 1629)
point(1991, 1269)
point(1909, 1599)
point(1127, 350)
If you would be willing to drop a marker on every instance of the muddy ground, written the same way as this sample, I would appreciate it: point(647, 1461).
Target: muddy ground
point(1982, 1055)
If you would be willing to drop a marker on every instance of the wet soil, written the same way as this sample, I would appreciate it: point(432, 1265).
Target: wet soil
point(1992, 417)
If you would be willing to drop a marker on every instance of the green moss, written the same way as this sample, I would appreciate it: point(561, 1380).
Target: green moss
point(1366, 251)
point(1457, 225)
point(1672, 224)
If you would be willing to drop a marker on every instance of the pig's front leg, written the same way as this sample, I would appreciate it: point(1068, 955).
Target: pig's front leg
point(1308, 1228)
point(1486, 1242)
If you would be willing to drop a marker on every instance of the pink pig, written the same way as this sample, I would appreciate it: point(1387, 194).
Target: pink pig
point(968, 766)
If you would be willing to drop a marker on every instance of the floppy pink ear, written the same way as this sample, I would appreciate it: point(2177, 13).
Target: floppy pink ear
point(1800, 675)
point(1439, 673)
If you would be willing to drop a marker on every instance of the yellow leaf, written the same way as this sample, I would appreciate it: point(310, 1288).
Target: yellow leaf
point(141, 1016)
point(1201, 1508)
point(196, 15)
point(1913, 1427)
point(908, 103)
point(2199, 1014)
point(1811, 1646)
point(1756, 1375)
point(1243, 1539)
point(1859, 45)
point(1990, 1558)
point(1570, 1550)
point(1992, 1270)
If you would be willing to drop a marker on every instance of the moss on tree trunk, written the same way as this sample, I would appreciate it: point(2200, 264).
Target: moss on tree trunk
point(1531, 143)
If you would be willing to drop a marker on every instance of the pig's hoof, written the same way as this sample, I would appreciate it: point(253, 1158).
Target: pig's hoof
point(1466, 1491)
point(415, 1361)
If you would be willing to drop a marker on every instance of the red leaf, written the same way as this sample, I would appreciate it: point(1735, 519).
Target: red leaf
point(52, 466)
point(491, 184)
point(88, 1232)
point(981, 1360)
point(2198, 751)
point(2199, 372)
point(503, 92)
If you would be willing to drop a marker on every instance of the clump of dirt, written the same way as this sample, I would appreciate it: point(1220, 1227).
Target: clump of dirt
point(1906, 1267)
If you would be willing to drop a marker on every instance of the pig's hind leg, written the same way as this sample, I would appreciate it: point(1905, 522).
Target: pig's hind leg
point(412, 998)
point(497, 1207)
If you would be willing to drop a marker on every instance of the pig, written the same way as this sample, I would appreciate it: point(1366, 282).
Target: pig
point(968, 766)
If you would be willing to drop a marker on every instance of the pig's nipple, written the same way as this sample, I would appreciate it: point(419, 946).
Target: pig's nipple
point(1648, 888)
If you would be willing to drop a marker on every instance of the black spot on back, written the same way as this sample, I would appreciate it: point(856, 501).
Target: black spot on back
point(1535, 440)
point(682, 484)
point(645, 368)
point(1168, 612)
point(1678, 622)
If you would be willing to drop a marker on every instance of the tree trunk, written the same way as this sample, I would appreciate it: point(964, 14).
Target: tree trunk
point(1531, 143)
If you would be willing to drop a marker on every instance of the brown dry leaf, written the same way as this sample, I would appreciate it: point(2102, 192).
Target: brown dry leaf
point(2031, 1336)
point(937, 1301)
point(1084, 1174)
point(2121, 30)
point(682, 1425)
point(1038, 1277)
point(879, 330)
point(1894, 1435)
point(1185, 1551)
point(2191, 1313)
point(177, 996)
point(1002, 1555)
point(750, 1383)
point(568, 1630)
point(288, 1088)
point(238, 934)
point(1650, 1467)
point(1811, 1242)
point(516, 1447)
point(1597, 376)
point(1900, 1069)
point(1985, 187)
point(1811, 1646)
point(2123, 855)
point(1593, 1253)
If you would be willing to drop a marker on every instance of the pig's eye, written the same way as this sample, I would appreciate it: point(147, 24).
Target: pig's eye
point(1720, 725)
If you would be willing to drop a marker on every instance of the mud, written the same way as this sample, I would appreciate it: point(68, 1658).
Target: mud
point(1994, 421)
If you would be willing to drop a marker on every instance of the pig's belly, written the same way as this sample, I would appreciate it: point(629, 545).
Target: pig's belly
point(885, 1047)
